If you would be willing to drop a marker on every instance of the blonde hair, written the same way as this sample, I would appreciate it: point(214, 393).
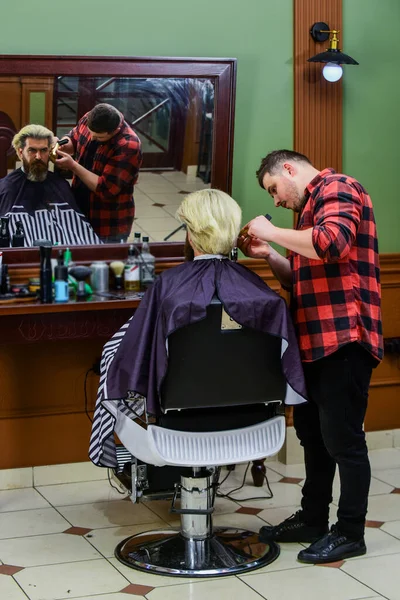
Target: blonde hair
point(212, 219)
point(37, 132)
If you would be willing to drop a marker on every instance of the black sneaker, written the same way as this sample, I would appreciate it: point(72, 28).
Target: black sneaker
point(332, 547)
point(293, 529)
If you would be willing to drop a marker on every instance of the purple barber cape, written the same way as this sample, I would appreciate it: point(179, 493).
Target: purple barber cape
point(46, 209)
point(134, 361)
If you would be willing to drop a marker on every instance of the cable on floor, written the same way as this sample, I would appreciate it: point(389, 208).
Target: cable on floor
point(114, 487)
point(229, 494)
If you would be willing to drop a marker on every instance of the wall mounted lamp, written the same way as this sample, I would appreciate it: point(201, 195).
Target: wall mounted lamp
point(333, 57)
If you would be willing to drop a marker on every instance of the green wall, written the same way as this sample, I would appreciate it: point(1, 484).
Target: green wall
point(371, 128)
point(258, 33)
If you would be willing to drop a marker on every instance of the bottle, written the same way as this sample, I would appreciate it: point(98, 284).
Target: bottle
point(5, 280)
point(137, 237)
point(61, 293)
point(72, 284)
point(68, 258)
point(4, 233)
point(46, 286)
point(100, 276)
point(147, 265)
point(132, 270)
point(18, 238)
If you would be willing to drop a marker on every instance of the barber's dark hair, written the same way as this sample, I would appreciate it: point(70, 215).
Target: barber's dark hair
point(103, 118)
point(271, 163)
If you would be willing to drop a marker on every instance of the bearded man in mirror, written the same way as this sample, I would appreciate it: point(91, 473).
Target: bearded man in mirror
point(40, 199)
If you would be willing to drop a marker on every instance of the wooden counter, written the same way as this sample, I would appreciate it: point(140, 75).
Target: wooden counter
point(47, 351)
point(95, 302)
point(95, 318)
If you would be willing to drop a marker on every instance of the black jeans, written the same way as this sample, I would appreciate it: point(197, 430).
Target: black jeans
point(330, 429)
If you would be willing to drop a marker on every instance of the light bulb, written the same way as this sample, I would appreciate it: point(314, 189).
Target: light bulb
point(332, 72)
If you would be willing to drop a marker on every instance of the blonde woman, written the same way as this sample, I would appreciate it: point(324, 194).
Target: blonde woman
point(135, 360)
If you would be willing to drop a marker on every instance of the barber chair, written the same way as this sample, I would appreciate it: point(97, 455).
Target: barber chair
point(220, 404)
point(7, 132)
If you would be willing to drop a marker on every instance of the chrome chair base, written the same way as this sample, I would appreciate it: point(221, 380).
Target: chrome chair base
point(226, 552)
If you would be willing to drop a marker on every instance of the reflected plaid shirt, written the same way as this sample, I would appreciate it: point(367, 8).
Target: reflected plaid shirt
point(117, 163)
point(336, 300)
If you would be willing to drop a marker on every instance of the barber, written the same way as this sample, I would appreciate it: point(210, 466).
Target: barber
point(333, 274)
point(105, 169)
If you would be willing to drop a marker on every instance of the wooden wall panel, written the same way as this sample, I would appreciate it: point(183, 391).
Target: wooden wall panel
point(44, 440)
point(37, 84)
point(317, 103)
point(42, 401)
point(10, 98)
point(384, 398)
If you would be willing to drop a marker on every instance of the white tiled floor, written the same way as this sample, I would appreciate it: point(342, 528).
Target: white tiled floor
point(157, 197)
point(44, 555)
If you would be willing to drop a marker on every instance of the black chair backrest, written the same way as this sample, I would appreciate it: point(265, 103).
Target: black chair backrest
point(209, 367)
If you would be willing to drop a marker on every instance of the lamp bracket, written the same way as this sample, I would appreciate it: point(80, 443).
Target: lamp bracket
point(320, 32)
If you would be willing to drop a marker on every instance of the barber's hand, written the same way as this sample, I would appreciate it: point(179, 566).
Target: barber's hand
point(261, 228)
point(65, 161)
point(253, 247)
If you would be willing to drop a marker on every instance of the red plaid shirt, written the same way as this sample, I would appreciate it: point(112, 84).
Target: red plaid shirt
point(336, 300)
point(117, 163)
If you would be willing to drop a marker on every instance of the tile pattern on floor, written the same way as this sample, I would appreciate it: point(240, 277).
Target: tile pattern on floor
point(57, 541)
point(157, 198)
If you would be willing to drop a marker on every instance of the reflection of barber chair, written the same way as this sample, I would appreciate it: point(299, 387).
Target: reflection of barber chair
point(219, 404)
point(7, 132)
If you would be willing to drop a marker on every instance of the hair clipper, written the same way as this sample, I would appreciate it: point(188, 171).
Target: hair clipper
point(53, 153)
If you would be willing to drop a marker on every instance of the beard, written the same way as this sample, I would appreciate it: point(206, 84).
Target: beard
point(292, 194)
point(299, 205)
point(35, 171)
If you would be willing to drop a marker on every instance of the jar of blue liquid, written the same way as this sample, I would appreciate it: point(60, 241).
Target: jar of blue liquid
point(61, 293)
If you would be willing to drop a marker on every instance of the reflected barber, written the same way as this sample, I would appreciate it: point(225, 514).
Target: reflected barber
point(105, 169)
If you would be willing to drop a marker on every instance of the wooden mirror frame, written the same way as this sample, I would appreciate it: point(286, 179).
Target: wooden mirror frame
point(222, 71)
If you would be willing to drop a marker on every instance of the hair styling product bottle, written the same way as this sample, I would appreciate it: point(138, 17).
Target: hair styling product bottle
point(46, 285)
point(147, 265)
point(61, 293)
point(4, 233)
point(132, 270)
point(18, 239)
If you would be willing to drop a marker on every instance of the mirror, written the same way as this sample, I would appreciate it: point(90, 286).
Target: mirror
point(181, 109)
